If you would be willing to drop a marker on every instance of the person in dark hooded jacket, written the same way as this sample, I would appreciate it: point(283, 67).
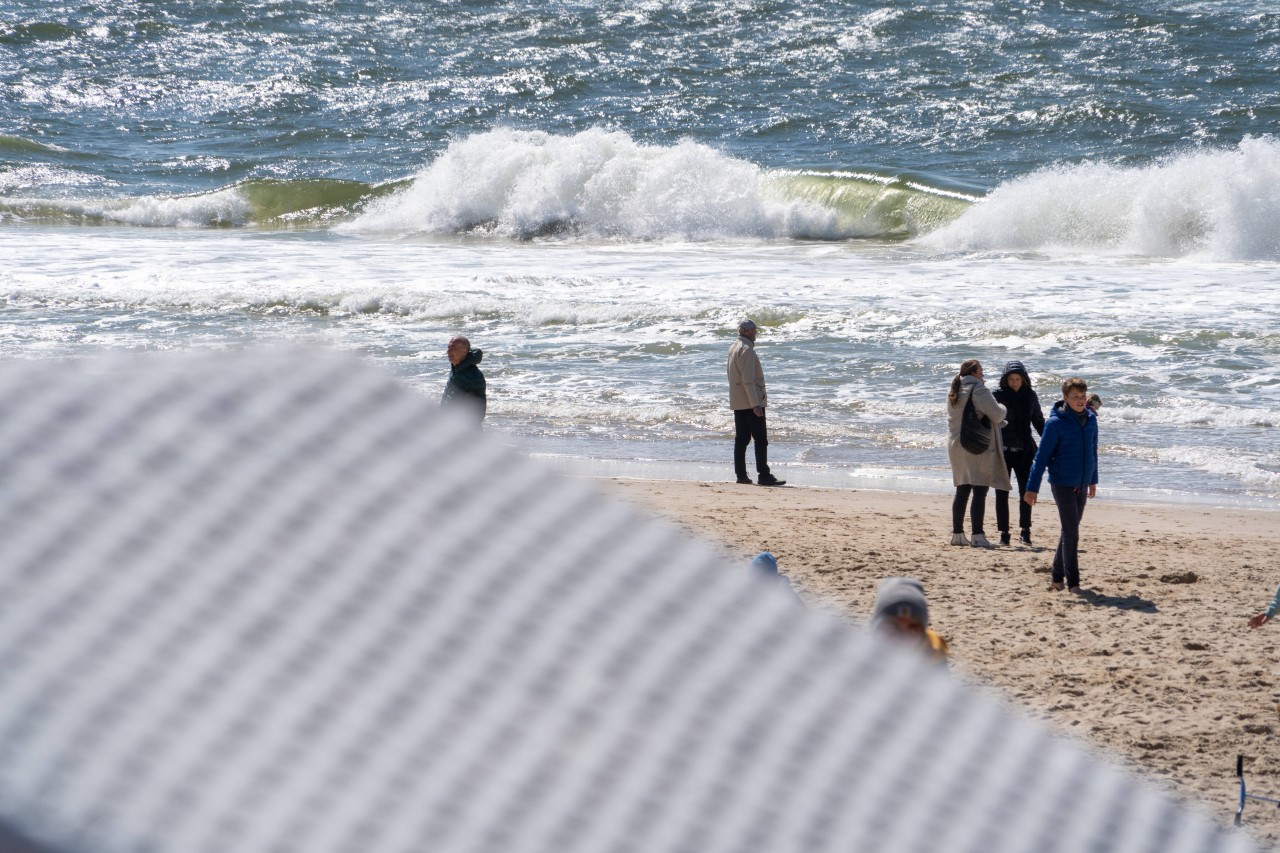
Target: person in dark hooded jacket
point(1023, 414)
point(466, 387)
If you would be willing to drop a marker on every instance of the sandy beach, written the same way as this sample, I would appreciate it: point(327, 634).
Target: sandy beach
point(1153, 667)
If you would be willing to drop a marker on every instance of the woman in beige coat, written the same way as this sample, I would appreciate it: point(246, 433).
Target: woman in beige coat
point(973, 473)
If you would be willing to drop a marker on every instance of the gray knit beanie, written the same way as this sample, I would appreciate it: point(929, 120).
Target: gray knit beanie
point(900, 597)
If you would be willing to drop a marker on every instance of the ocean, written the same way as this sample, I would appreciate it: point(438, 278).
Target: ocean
point(595, 193)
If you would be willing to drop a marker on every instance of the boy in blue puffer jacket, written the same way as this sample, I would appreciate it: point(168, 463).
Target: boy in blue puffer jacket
point(1069, 451)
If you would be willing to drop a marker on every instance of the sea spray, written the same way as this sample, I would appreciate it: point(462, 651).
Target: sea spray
point(1209, 204)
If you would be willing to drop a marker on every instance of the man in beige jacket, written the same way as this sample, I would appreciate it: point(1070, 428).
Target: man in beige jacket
point(747, 399)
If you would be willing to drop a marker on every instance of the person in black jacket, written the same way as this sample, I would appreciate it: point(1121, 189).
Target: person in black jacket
point(466, 387)
point(1019, 398)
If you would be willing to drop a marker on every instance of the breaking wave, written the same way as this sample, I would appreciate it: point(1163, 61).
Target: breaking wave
point(1221, 205)
point(597, 183)
point(265, 203)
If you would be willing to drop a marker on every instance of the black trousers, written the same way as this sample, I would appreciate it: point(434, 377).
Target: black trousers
point(748, 427)
point(1066, 560)
point(1019, 462)
point(976, 512)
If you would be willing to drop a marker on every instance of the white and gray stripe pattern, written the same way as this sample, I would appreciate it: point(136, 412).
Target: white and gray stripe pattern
point(275, 602)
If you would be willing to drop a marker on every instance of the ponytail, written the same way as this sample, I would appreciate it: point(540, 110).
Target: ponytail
point(968, 368)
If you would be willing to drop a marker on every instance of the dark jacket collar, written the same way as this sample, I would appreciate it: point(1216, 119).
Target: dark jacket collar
point(472, 359)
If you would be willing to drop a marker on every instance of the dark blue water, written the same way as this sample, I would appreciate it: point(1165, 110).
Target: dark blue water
point(135, 98)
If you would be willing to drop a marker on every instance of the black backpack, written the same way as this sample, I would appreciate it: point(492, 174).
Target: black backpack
point(975, 429)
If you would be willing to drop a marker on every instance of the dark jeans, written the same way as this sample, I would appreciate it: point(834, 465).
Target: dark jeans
point(1066, 561)
point(749, 426)
point(1019, 461)
point(976, 512)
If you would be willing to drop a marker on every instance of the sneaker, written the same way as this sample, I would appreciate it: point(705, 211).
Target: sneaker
point(745, 480)
point(1004, 537)
point(770, 480)
point(980, 541)
point(1025, 536)
point(958, 539)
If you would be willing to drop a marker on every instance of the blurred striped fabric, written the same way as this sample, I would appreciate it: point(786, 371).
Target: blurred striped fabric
point(273, 601)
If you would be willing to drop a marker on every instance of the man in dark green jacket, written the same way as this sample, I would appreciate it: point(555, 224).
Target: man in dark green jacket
point(465, 388)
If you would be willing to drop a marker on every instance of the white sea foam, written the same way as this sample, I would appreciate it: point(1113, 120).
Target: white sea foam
point(616, 349)
point(598, 183)
point(225, 207)
point(1210, 204)
point(1192, 414)
point(1251, 471)
point(602, 411)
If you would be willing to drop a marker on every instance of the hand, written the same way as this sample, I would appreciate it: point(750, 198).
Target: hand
point(1093, 489)
point(1259, 620)
point(1030, 498)
point(759, 410)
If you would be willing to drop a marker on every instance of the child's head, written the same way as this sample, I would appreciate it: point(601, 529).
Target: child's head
point(1095, 402)
point(765, 566)
point(1075, 393)
point(900, 609)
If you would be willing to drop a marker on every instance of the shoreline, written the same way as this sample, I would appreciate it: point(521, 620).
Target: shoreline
point(848, 481)
point(1154, 668)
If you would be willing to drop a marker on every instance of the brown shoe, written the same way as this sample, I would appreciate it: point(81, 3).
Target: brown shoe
point(1057, 586)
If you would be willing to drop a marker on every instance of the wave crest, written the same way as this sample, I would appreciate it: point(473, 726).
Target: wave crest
point(265, 202)
point(1212, 204)
point(604, 184)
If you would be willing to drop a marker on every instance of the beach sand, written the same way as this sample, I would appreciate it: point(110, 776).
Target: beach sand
point(1153, 668)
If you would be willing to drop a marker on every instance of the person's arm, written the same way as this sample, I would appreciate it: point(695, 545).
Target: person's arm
point(736, 379)
point(753, 381)
point(1265, 616)
point(1037, 416)
point(985, 402)
point(1093, 449)
point(1048, 447)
